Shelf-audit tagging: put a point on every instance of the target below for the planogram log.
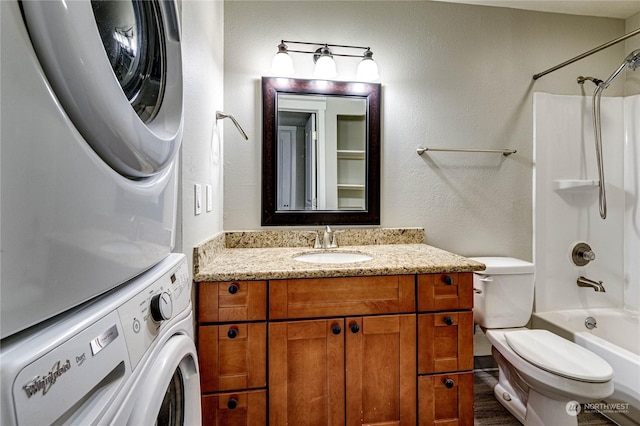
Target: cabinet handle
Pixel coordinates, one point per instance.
(233, 288)
(336, 329)
(449, 383)
(354, 328)
(448, 320)
(232, 333)
(447, 280)
(232, 403)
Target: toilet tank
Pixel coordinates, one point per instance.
(503, 292)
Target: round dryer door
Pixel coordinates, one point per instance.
(116, 68)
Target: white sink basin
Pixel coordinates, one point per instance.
(332, 257)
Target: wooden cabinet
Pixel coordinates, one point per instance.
(380, 350)
(232, 352)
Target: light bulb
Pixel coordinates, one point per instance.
(367, 68)
(282, 64)
(325, 67)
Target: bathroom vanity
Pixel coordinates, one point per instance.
(382, 341)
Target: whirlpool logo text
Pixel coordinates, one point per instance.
(44, 383)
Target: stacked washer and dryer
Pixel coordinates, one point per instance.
(96, 317)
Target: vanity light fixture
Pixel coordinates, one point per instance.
(323, 56)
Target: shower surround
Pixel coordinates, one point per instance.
(566, 202)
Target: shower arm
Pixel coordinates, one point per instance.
(588, 53)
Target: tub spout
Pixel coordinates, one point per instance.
(586, 282)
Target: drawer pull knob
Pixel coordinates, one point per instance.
(336, 329)
(232, 403)
(447, 280)
(354, 328)
(449, 383)
(233, 288)
(232, 333)
(448, 320)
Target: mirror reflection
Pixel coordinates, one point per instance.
(321, 152)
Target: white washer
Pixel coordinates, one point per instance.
(91, 112)
(110, 361)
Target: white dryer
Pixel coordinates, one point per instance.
(91, 112)
(127, 358)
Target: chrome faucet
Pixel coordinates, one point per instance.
(329, 239)
(586, 282)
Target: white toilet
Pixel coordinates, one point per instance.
(541, 375)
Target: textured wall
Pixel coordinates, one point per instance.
(453, 76)
(202, 36)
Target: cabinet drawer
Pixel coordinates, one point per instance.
(443, 292)
(445, 342)
(232, 301)
(326, 297)
(232, 356)
(445, 399)
(235, 409)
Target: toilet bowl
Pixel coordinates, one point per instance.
(542, 376)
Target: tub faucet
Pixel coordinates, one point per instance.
(586, 282)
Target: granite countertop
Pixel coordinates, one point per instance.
(215, 261)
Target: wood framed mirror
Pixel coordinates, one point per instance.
(320, 152)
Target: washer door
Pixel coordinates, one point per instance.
(116, 68)
(171, 394)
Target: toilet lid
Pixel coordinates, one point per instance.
(559, 356)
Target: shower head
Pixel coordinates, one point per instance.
(632, 60)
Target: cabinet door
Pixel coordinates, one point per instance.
(235, 409)
(446, 399)
(306, 373)
(381, 370)
(232, 356)
(445, 342)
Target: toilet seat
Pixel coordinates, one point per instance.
(559, 356)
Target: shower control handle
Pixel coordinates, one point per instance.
(582, 254)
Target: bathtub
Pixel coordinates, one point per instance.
(616, 339)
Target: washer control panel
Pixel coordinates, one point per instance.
(153, 308)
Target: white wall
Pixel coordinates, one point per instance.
(453, 76)
(202, 154)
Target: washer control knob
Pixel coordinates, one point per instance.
(161, 307)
